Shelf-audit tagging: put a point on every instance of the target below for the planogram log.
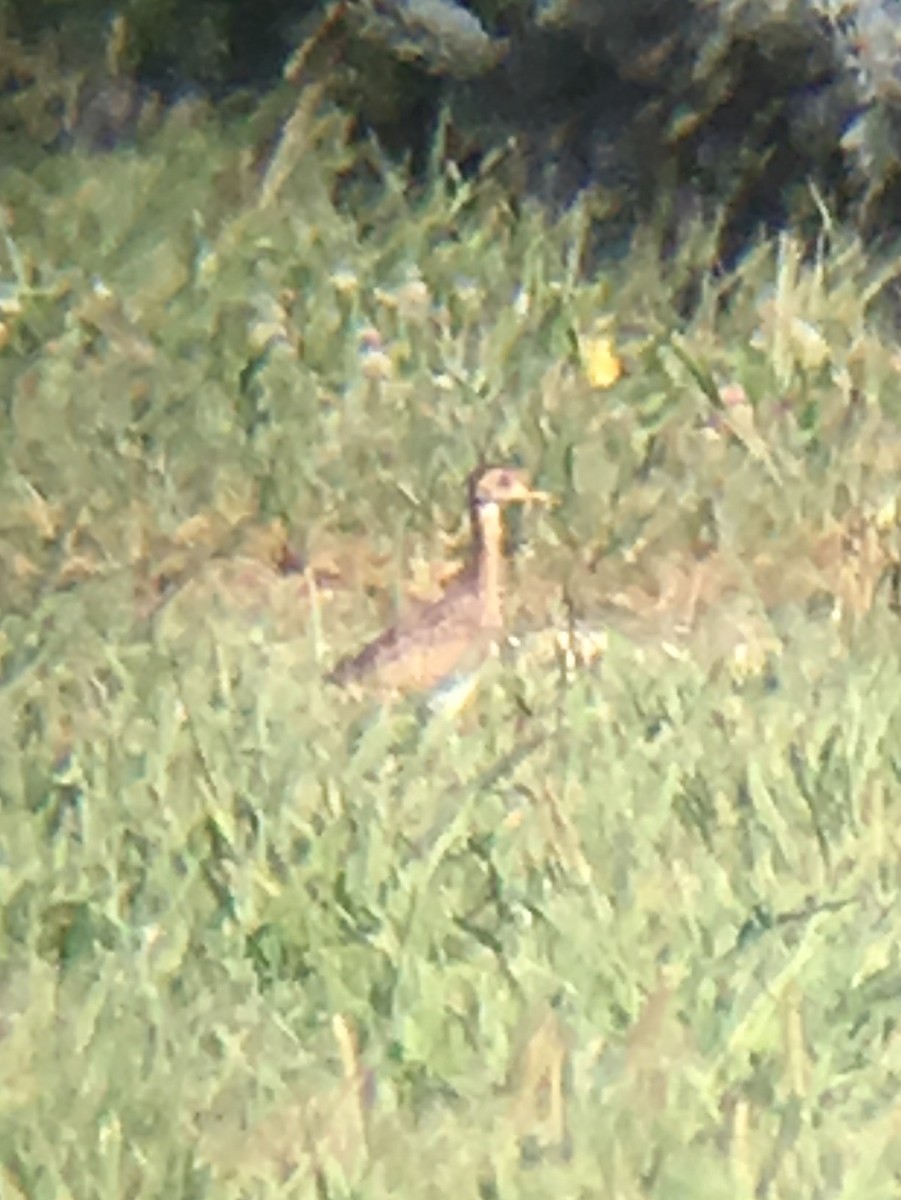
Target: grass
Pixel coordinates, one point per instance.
(625, 928)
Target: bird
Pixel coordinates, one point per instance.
(449, 638)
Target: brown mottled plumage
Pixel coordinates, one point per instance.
(456, 632)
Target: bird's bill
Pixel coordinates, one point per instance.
(535, 497)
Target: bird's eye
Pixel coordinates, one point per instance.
(503, 480)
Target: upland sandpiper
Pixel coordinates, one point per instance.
(448, 639)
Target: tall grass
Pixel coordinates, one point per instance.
(626, 927)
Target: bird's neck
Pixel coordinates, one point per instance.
(489, 552)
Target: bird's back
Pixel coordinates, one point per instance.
(417, 654)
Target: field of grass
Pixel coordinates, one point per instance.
(626, 926)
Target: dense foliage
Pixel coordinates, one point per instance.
(736, 107)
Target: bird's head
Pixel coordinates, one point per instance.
(502, 485)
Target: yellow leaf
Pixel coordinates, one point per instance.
(600, 362)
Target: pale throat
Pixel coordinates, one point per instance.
(491, 564)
